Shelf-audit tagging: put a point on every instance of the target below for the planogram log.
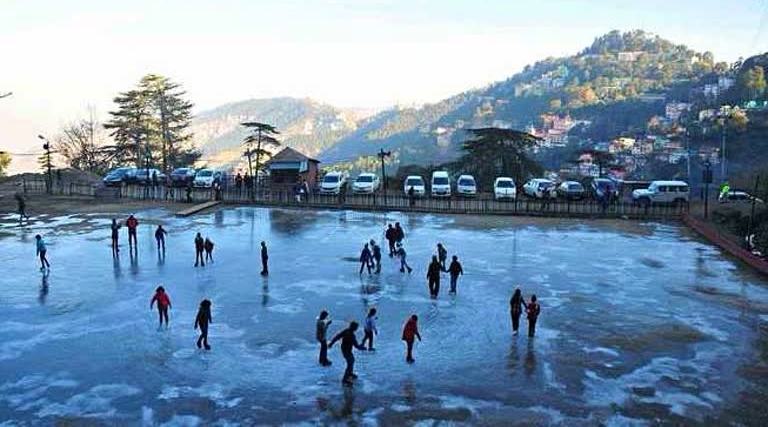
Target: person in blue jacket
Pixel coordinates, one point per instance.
(41, 251)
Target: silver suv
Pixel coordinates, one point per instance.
(662, 192)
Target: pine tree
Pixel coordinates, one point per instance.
(494, 152)
(262, 135)
(151, 123)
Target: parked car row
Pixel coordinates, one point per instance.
(180, 177)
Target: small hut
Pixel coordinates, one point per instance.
(289, 166)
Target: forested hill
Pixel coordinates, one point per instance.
(304, 124)
(617, 69)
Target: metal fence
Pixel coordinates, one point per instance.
(285, 196)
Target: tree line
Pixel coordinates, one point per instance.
(148, 128)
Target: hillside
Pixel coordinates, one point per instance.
(304, 124)
(632, 71)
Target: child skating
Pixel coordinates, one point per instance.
(369, 329)
(410, 333)
(208, 246)
(533, 309)
(321, 333)
(41, 251)
(160, 237)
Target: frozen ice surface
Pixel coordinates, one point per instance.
(640, 322)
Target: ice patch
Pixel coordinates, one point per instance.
(214, 392)
(603, 350)
(183, 421)
(285, 308)
(96, 402)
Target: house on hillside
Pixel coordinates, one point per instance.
(288, 166)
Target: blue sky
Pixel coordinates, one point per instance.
(60, 57)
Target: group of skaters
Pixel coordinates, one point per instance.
(348, 339)
(410, 332)
(203, 246)
(370, 258)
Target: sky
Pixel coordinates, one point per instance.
(62, 58)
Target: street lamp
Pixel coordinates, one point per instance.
(47, 148)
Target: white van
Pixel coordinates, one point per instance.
(441, 184)
(333, 182)
(662, 192)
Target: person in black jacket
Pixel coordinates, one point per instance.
(433, 275)
(455, 270)
(516, 305)
(348, 341)
(264, 258)
(391, 237)
(199, 247)
(202, 321)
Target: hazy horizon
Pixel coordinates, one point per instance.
(62, 57)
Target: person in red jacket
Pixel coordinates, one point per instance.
(410, 333)
(533, 309)
(132, 223)
(163, 304)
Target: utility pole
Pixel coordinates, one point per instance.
(723, 168)
(688, 154)
(383, 154)
(47, 148)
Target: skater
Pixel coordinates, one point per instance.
(115, 236)
(516, 305)
(390, 236)
(264, 258)
(160, 237)
(365, 259)
(533, 309)
(323, 321)
(369, 328)
(403, 262)
(455, 270)
(41, 250)
(399, 233)
(22, 207)
(239, 183)
(199, 246)
(442, 255)
(410, 332)
(433, 276)
(163, 304)
(132, 223)
(202, 320)
(208, 246)
(376, 255)
(348, 341)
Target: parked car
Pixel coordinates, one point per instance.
(504, 189)
(116, 177)
(741, 196)
(466, 186)
(333, 182)
(366, 183)
(539, 188)
(206, 178)
(440, 186)
(599, 186)
(181, 177)
(417, 182)
(144, 176)
(662, 192)
(571, 190)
